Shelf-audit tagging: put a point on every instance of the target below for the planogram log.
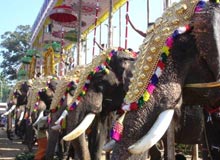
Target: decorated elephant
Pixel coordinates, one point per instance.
(18, 103)
(103, 75)
(65, 87)
(180, 49)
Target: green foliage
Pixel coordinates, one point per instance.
(25, 156)
(14, 45)
(4, 88)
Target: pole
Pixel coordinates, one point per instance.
(110, 24)
(120, 27)
(148, 13)
(79, 56)
(126, 27)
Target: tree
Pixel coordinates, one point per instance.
(4, 88)
(13, 47)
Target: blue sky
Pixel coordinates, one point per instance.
(24, 12)
(18, 12)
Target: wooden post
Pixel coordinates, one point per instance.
(171, 142)
(195, 152)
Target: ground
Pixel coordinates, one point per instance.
(10, 148)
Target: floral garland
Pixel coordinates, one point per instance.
(100, 68)
(69, 86)
(84, 87)
(161, 64)
(38, 99)
(158, 71)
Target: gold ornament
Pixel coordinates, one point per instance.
(175, 16)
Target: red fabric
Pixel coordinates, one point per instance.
(42, 146)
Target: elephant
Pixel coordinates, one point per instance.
(191, 60)
(65, 87)
(111, 85)
(20, 101)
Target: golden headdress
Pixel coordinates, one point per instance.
(150, 51)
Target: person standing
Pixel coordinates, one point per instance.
(41, 139)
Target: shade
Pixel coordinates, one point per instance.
(63, 14)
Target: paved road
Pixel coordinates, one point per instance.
(9, 149)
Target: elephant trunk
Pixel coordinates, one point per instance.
(81, 128)
(154, 134)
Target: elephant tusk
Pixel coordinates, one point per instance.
(63, 115)
(80, 128)
(154, 134)
(9, 111)
(39, 117)
(109, 146)
(21, 116)
(56, 127)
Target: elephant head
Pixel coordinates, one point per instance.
(42, 96)
(101, 92)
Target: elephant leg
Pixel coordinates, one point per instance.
(97, 137)
(52, 141)
(29, 137)
(9, 127)
(81, 148)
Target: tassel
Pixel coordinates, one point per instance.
(117, 129)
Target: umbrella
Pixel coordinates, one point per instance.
(87, 8)
(62, 14)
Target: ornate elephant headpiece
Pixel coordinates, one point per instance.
(71, 78)
(156, 47)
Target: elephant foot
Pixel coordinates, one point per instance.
(10, 135)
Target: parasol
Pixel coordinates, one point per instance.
(62, 14)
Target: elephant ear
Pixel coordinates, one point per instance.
(206, 27)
